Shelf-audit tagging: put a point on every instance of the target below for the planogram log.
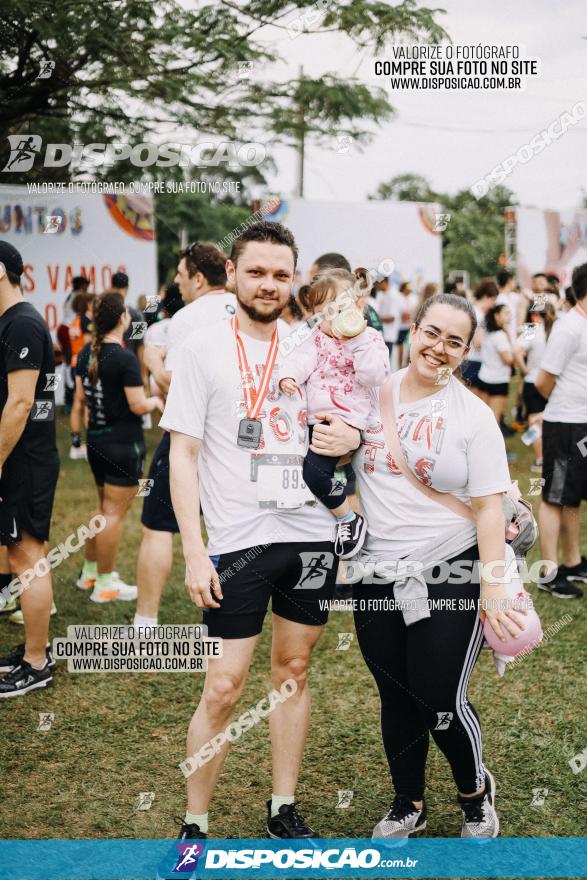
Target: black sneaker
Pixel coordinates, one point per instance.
(25, 678)
(403, 819)
(561, 587)
(14, 658)
(287, 823)
(170, 866)
(350, 537)
(575, 572)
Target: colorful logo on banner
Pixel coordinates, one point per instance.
(133, 213)
(276, 210)
(428, 215)
(187, 859)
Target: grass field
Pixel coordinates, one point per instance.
(115, 735)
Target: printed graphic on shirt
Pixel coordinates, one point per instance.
(421, 438)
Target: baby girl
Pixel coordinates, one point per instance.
(342, 363)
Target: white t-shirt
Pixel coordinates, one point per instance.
(206, 401)
(566, 358)
(157, 333)
(452, 442)
(407, 305)
(534, 348)
(475, 353)
(493, 370)
(386, 305)
(511, 299)
(205, 310)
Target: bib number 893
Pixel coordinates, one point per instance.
(291, 478)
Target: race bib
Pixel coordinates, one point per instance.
(280, 481)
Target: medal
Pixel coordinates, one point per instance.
(249, 433)
(250, 428)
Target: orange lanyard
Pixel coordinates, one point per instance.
(254, 398)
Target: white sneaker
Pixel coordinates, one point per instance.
(79, 453)
(87, 583)
(115, 591)
(402, 820)
(18, 618)
(479, 816)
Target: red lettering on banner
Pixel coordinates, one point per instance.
(53, 281)
(89, 274)
(30, 285)
(51, 316)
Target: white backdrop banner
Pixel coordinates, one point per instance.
(367, 233)
(549, 241)
(94, 235)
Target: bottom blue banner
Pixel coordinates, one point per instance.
(322, 857)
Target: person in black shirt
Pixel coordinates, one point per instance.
(109, 383)
(29, 468)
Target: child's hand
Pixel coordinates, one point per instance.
(289, 386)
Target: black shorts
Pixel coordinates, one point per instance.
(297, 577)
(157, 507)
(470, 373)
(27, 491)
(115, 461)
(494, 389)
(564, 451)
(403, 335)
(533, 400)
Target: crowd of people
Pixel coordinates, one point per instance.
(306, 428)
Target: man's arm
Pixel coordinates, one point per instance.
(202, 583)
(21, 396)
(154, 359)
(545, 383)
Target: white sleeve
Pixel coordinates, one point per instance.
(487, 462)
(502, 342)
(560, 348)
(187, 400)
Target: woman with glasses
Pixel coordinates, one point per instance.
(418, 618)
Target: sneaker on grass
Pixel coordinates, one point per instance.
(25, 678)
(113, 589)
(15, 658)
(479, 816)
(403, 819)
(289, 823)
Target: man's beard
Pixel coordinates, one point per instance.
(260, 317)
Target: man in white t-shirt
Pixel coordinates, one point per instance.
(201, 278)
(508, 295)
(238, 444)
(562, 379)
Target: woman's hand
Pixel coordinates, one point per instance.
(501, 612)
(335, 438)
(202, 584)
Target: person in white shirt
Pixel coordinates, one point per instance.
(562, 380)
(387, 307)
(484, 298)
(238, 444)
(528, 353)
(421, 655)
(496, 360)
(407, 304)
(201, 278)
(516, 303)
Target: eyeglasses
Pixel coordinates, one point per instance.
(452, 346)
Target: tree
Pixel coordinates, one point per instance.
(405, 188)
(474, 237)
(125, 69)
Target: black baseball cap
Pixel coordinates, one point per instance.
(11, 259)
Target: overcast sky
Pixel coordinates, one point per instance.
(454, 138)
